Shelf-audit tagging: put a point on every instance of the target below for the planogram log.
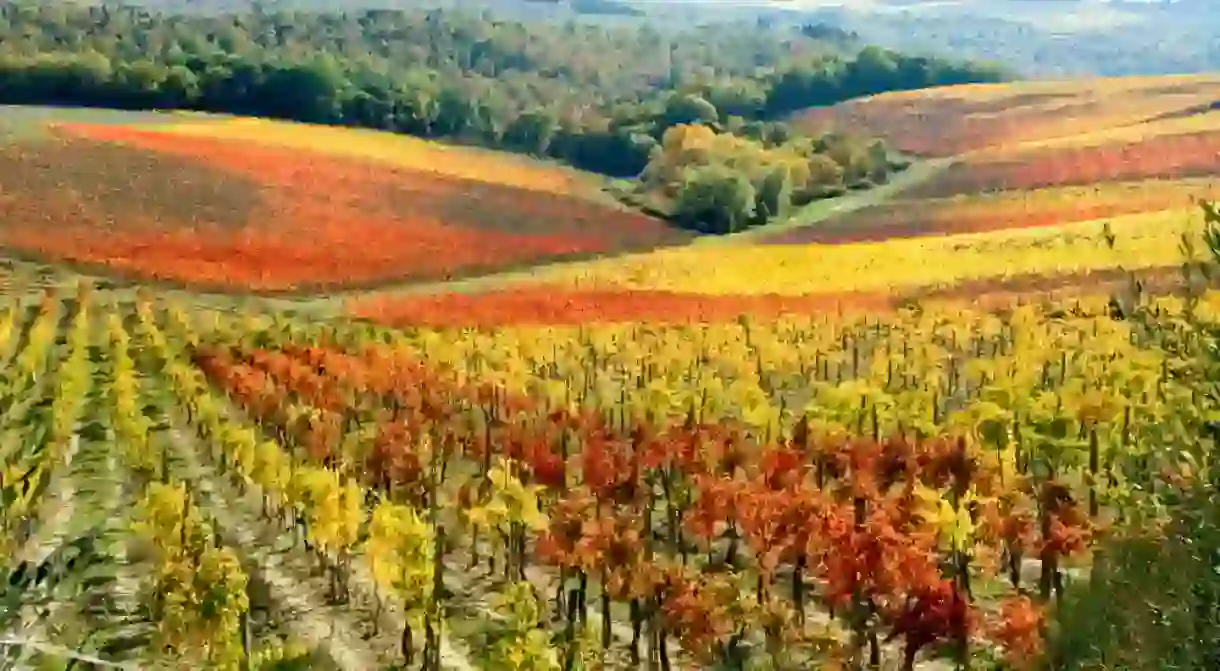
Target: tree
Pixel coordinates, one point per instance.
(532, 131)
(715, 199)
(689, 109)
(774, 194)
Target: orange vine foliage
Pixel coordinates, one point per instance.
(323, 221)
(954, 120)
(559, 305)
(1168, 156)
(842, 514)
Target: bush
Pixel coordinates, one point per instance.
(1153, 599)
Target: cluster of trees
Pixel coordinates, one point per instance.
(597, 97)
(725, 182)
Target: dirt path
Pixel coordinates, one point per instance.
(61, 511)
(308, 615)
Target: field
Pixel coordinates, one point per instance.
(896, 433)
(397, 150)
(630, 492)
(911, 216)
(1161, 157)
(1141, 241)
(199, 211)
(961, 119)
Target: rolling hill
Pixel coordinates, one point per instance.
(500, 418)
(242, 205)
(1022, 184)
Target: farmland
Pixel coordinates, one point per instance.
(1056, 158)
(897, 434)
(960, 119)
(396, 150)
(616, 493)
(544, 304)
(1160, 157)
(911, 216)
(1141, 241)
(223, 214)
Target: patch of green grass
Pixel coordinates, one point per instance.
(26, 121)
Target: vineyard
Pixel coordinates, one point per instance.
(1160, 157)
(1053, 206)
(543, 304)
(894, 266)
(903, 433)
(396, 150)
(955, 120)
(230, 215)
(187, 486)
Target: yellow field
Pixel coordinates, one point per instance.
(1142, 241)
(979, 213)
(1152, 194)
(397, 150)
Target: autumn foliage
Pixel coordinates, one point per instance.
(279, 219)
(982, 213)
(940, 126)
(556, 305)
(955, 120)
(845, 514)
(403, 151)
(1162, 157)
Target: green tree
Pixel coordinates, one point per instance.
(715, 199)
(773, 194)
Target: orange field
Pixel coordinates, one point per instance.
(559, 305)
(1015, 209)
(954, 120)
(1163, 157)
(265, 218)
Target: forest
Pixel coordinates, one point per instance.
(599, 98)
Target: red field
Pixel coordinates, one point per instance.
(1164, 157)
(537, 305)
(1027, 209)
(219, 214)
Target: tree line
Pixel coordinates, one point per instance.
(599, 98)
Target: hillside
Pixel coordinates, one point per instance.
(948, 121)
(951, 409)
(597, 98)
(1022, 185)
(242, 205)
